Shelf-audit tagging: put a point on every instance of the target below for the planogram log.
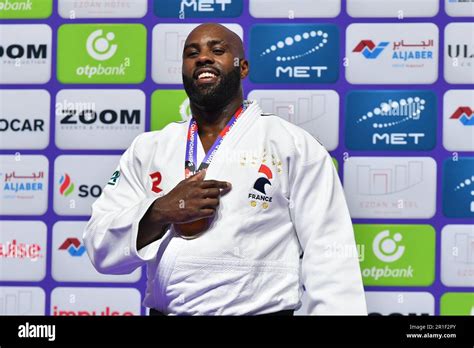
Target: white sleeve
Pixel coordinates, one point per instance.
(330, 267)
(111, 234)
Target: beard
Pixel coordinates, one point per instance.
(213, 96)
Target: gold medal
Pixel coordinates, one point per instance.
(191, 230)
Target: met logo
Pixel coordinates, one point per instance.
(391, 120)
(294, 53)
(458, 187)
(183, 9)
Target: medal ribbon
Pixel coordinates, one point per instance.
(191, 151)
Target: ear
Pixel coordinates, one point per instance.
(244, 68)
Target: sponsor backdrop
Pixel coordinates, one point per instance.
(385, 85)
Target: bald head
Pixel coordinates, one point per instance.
(217, 31)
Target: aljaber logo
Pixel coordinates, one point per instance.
(99, 47)
(458, 187)
(73, 246)
(66, 185)
(465, 115)
(390, 120)
(386, 248)
(369, 49)
(183, 9)
(294, 53)
(22, 183)
(400, 50)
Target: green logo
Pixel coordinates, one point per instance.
(168, 106)
(101, 53)
(24, 9)
(461, 303)
(396, 255)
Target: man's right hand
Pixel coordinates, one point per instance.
(192, 199)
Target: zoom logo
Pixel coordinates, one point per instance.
(91, 119)
(386, 248)
(25, 53)
(100, 47)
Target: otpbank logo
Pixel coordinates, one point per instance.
(294, 53)
(391, 120)
(458, 187)
(25, 9)
(170, 105)
(101, 53)
(392, 53)
(393, 256)
(183, 9)
(457, 303)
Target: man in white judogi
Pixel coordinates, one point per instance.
(234, 211)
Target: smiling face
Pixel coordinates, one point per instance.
(213, 66)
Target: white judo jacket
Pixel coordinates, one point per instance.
(286, 201)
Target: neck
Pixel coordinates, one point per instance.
(211, 122)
